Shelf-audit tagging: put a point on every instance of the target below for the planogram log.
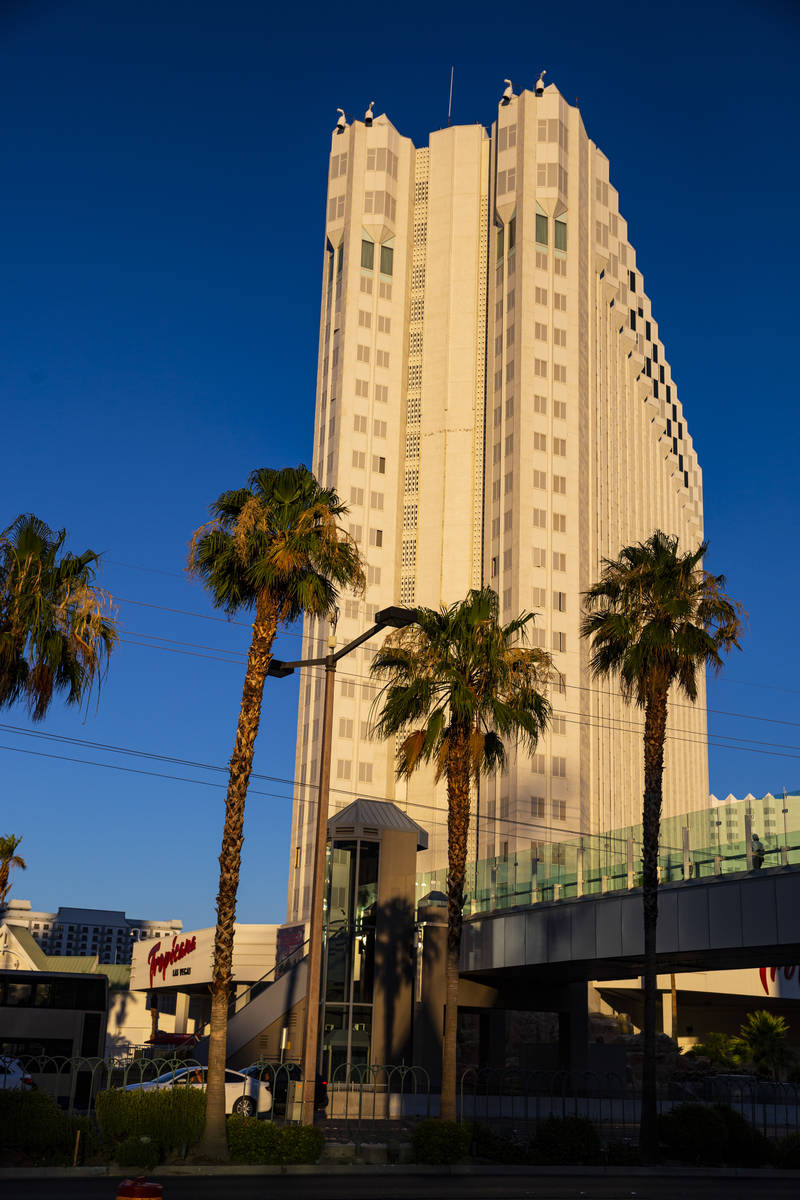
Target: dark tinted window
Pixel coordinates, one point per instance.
(43, 995)
(19, 995)
(90, 1042)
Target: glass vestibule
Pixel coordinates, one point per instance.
(349, 962)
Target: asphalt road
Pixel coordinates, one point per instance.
(416, 1187)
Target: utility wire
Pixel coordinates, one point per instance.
(346, 792)
(294, 783)
(517, 823)
(620, 724)
(323, 642)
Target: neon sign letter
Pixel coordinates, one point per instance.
(160, 963)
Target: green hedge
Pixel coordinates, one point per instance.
(140, 1152)
(438, 1142)
(711, 1135)
(254, 1141)
(32, 1124)
(746, 1146)
(491, 1146)
(787, 1152)
(566, 1140)
(171, 1118)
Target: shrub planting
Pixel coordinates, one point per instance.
(138, 1152)
(254, 1141)
(171, 1119)
(32, 1125)
(711, 1135)
(623, 1153)
(300, 1144)
(251, 1140)
(694, 1134)
(787, 1152)
(491, 1146)
(746, 1146)
(566, 1140)
(439, 1143)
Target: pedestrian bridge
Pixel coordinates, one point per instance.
(743, 919)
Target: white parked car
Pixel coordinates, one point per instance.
(12, 1075)
(243, 1095)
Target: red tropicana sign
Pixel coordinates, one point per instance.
(788, 973)
(160, 962)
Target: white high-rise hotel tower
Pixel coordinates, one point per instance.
(495, 406)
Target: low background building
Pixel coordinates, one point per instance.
(105, 932)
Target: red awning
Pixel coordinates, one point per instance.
(162, 1038)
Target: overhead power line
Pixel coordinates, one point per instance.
(323, 642)
(517, 822)
(623, 724)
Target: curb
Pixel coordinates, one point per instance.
(459, 1169)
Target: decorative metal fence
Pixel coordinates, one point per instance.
(361, 1097)
(515, 1102)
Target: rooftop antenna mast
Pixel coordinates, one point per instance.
(450, 101)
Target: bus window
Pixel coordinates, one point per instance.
(18, 994)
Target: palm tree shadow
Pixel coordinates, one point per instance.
(395, 954)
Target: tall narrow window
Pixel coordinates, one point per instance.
(367, 254)
(512, 233)
(560, 235)
(541, 229)
(500, 242)
(387, 259)
(340, 260)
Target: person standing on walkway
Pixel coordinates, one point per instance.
(758, 852)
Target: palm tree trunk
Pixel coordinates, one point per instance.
(213, 1144)
(458, 779)
(655, 726)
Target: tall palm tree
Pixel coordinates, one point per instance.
(274, 548)
(656, 619)
(457, 683)
(55, 633)
(9, 861)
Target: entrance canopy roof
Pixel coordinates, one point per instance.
(369, 818)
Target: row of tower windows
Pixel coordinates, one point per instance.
(508, 234)
(368, 257)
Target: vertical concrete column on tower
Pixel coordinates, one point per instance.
(394, 949)
(666, 1014)
(492, 1039)
(430, 1001)
(573, 1028)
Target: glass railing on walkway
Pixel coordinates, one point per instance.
(744, 835)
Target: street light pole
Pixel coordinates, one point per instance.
(311, 1036)
(394, 617)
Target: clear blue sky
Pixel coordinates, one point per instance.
(161, 206)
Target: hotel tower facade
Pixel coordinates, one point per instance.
(495, 406)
